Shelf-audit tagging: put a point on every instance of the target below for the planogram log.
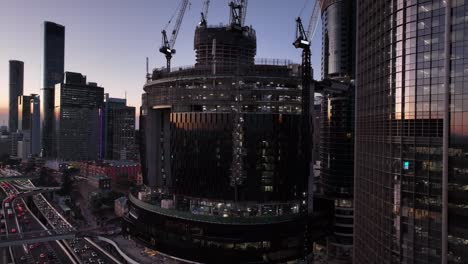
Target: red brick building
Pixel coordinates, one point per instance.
(118, 171)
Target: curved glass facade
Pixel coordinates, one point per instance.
(338, 39)
(337, 144)
(337, 168)
(202, 154)
(401, 86)
(215, 239)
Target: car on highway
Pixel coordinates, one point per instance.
(13, 230)
(35, 245)
(94, 254)
(42, 258)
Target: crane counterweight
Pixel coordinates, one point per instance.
(167, 47)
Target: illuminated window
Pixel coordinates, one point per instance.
(406, 165)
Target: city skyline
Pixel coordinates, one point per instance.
(103, 27)
(194, 131)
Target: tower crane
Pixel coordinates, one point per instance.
(303, 41)
(204, 13)
(238, 14)
(167, 46)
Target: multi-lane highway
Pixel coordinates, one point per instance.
(5, 252)
(86, 250)
(19, 218)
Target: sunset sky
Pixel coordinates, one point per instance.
(108, 41)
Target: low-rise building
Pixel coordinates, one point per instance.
(100, 182)
(119, 171)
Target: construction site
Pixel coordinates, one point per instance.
(226, 149)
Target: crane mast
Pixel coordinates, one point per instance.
(238, 13)
(167, 47)
(303, 41)
(204, 13)
(243, 4)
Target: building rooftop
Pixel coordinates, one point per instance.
(121, 200)
(98, 177)
(113, 163)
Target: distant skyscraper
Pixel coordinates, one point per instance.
(119, 129)
(35, 124)
(52, 73)
(16, 89)
(411, 196)
(78, 107)
(15, 137)
(24, 112)
(29, 125)
(338, 34)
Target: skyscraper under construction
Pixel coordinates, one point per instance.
(225, 179)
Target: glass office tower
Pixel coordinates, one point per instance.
(118, 137)
(78, 111)
(52, 73)
(411, 189)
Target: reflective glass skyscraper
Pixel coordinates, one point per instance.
(411, 162)
(52, 73)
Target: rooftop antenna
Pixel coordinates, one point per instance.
(148, 77)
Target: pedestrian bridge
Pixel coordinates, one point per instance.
(16, 239)
(34, 191)
(18, 178)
